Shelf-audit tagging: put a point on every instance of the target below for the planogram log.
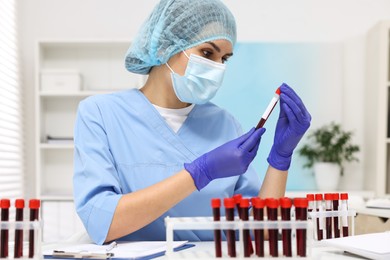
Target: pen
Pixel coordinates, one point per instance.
(269, 109)
(111, 246)
(81, 255)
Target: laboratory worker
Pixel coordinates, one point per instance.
(165, 149)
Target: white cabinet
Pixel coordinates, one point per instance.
(377, 109)
(67, 72)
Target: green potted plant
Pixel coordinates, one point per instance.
(329, 147)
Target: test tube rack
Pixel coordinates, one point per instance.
(349, 214)
(207, 223)
(27, 227)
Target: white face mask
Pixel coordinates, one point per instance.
(201, 81)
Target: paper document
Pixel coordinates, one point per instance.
(128, 250)
(373, 246)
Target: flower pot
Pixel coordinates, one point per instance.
(327, 175)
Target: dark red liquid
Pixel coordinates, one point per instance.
(336, 219)
(286, 233)
(258, 214)
(4, 234)
(301, 214)
(33, 216)
(273, 233)
(18, 250)
(320, 235)
(217, 234)
(261, 123)
(230, 233)
(248, 249)
(328, 226)
(345, 231)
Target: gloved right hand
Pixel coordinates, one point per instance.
(229, 159)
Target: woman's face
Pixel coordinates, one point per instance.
(216, 50)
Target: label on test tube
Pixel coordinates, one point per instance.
(344, 209)
(269, 109)
(320, 219)
(328, 206)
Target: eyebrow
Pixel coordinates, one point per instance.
(218, 49)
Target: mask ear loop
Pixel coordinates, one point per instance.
(169, 67)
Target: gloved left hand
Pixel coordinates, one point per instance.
(293, 122)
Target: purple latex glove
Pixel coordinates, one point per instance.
(293, 122)
(229, 159)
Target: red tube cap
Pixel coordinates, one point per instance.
(336, 196)
(215, 203)
(5, 203)
(328, 196)
(237, 198)
(19, 203)
(258, 203)
(319, 196)
(278, 91)
(301, 202)
(34, 204)
(244, 203)
(310, 197)
(272, 203)
(229, 203)
(285, 202)
(344, 196)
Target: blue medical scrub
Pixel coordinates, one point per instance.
(122, 145)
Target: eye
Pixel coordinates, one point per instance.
(207, 53)
(224, 59)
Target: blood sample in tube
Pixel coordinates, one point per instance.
(272, 213)
(311, 206)
(269, 109)
(5, 204)
(301, 214)
(320, 220)
(328, 207)
(216, 205)
(237, 199)
(258, 214)
(248, 250)
(344, 210)
(34, 206)
(18, 248)
(229, 204)
(285, 205)
(336, 228)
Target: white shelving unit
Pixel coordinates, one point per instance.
(377, 117)
(100, 65)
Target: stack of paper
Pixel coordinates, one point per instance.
(373, 246)
(127, 250)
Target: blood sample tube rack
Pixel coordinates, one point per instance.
(207, 223)
(345, 216)
(11, 228)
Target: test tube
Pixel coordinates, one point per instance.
(320, 220)
(336, 228)
(301, 214)
(34, 205)
(18, 247)
(248, 250)
(285, 205)
(311, 206)
(272, 213)
(229, 204)
(258, 214)
(5, 204)
(328, 207)
(269, 109)
(216, 205)
(237, 199)
(344, 209)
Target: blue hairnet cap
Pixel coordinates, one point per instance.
(177, 25)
